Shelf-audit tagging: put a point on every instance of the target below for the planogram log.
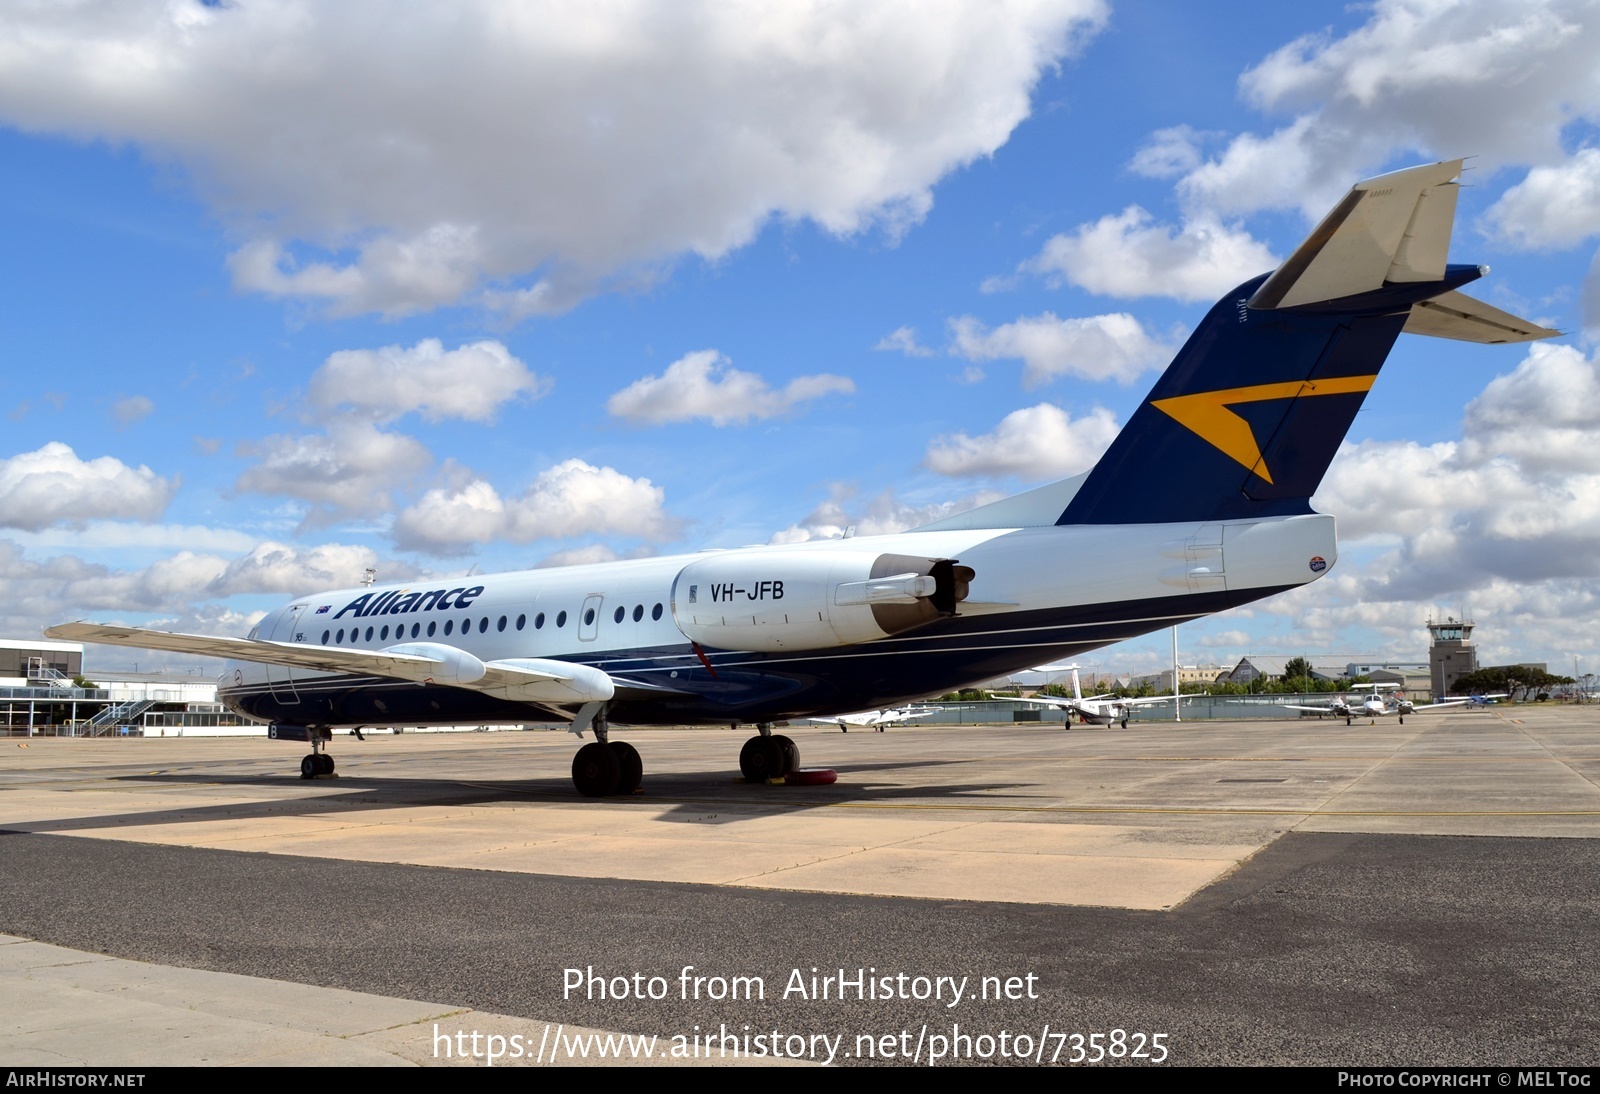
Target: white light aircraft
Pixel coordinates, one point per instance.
(877, 719)
(1098, 710)
(1374, 706)
(1202, 503)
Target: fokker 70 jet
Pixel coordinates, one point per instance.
(1200, 504)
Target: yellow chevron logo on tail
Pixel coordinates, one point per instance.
(1206, 413)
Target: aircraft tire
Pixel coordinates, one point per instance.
(308, 766)
(595, 770)
(760, 759)
(630, 767)
(1124, 723)
(324, 764)
(789, 751)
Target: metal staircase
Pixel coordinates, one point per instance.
(117, 714)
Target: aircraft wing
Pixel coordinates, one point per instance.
(1448, 703)
(1312, 710)
(1044, 701)
(520, 679)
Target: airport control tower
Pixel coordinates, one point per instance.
(1451, 654)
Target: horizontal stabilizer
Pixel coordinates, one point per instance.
(1456, 315)
(1391, 229)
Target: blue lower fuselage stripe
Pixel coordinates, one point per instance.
(753, 687)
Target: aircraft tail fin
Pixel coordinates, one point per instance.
(1248, 416)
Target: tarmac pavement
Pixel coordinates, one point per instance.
(1256, 892)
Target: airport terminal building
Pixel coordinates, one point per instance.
(43, 692)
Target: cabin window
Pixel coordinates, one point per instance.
(561, 620)
(638, 612)
(521, 619)
(416, 628)
(483, 624)
(655, 613)
(449, 625)
(538, 622)
(324, 638)
(431, 626)
(385, 632)
(500, 626)
(621, 611)
(369, 634)
(341, 635)
(588, 617)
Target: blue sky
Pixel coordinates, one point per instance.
(286, 297)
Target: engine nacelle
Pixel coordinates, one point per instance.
(455, 665)
(770, 599)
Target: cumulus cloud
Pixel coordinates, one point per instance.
(1505, 518)
(1037, 442)
(1099, 347)
(571, 499)
(1129, 255)
(347, 470)
(573, 143)
(590, 554)
(702, 385)
(179, 592)
(880, 515)
(51, 485)
(1475, 77)
(1554, 208)
(470, 382)
(282, 568)
(1169, 153)
(131, 409)
(902, 340)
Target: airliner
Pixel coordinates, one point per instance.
(1201, 504)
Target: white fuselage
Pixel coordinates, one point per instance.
(802, 614)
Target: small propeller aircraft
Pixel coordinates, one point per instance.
(877, 719)
(1098, 710)
(1374, 706)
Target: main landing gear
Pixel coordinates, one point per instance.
(768, 756)
(606, 767)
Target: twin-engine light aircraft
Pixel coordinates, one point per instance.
(1201, 504)
(1373, 705)
(877, 719)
